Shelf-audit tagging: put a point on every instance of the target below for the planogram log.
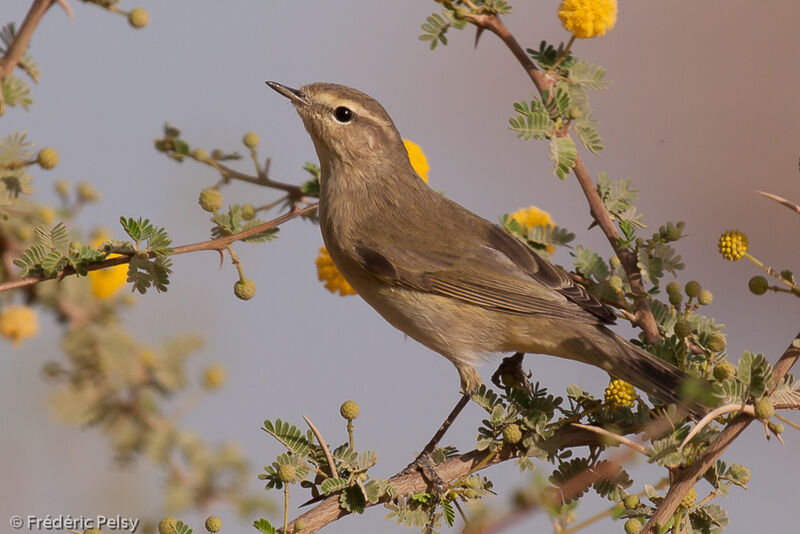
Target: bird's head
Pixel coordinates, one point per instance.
(345, 124)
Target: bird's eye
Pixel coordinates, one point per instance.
(343, 114)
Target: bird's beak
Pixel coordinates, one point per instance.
(295, 95)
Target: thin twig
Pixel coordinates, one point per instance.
(20, 43)
(616, 437)
(713, 414)
(218, 244)
(780, 200)
(325, 450)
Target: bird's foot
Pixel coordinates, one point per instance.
(511, 374)
(424, 464)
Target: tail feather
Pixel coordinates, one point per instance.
(658, 378)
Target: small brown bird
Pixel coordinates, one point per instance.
(453, 281)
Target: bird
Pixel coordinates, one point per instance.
(453, 281)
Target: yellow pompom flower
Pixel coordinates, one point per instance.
(619, 393)
(733, 245)
(533, 216)
(18, 323)
(329, 275)
(588, 18)
(417, 158)
(213, 377)
(106, 282)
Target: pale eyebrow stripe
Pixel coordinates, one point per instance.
(334, 101)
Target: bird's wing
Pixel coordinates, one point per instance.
(496, 271)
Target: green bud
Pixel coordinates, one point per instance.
(633, 526)
(244, 289)
(724, 370)
(614, 262)
(251, 140)
(758, 285)
(705, 297)
(615, 283)
(512, 434)
(213, 524)
(675, 299)
(200, 154)
(764, 408)
(683, 328)
(248, 212)
(631, 502)
(349, 410)
(673, 232)
(210, 199)
(693, 288)
(673, 287)
(286, 473)
(716, 342)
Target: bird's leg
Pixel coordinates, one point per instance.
(424, 462)
(511, 374)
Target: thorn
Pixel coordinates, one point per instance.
(67, 9)
(221, 258)
(478, 34)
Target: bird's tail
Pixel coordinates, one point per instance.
(658, 378)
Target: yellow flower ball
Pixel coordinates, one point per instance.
(417, 158)
(619, 393)
(588, 18)
(329, 275)
(733, 245)
(533, 216)
(104, 283)
(213, 377)
(18, 323)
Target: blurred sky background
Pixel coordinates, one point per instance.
(702, 111)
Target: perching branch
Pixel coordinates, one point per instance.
(643, 316)
(218, 244)
(328, 510)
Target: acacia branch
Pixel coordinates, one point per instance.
(686, 478)
(328, 510)
(219, 244)
(20, 43)
(643, 316)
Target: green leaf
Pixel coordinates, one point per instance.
(290, 437)
(590, 264)
(568, 470)
(564, 154)
(262, 525)
(547, 55)
(30, 260)
(352, 499)
(144, 273)
(730, 391)
(754, 372)
(612, 487)
(182, 528)
(586, 75)
(586, 129)
(16, 92)
(262, 237)
(15, 147)
(449, 513)
(532, 121)
(310, 187)
(332, 485)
